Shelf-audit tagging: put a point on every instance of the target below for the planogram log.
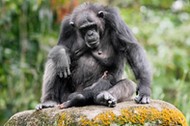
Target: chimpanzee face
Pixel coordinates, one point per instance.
(89, 25)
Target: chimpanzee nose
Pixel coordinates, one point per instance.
(90, 33)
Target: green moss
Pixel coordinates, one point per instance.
(131, 116)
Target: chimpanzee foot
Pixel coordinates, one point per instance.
(75, 99)
(105, 98)
(65, 105)
(47, 104)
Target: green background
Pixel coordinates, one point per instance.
(30, 28)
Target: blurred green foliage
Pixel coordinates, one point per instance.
(28, 30)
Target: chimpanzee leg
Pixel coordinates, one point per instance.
(87, 96)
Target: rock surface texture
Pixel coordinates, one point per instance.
(157, 113)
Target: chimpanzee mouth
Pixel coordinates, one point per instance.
(93, 44)
(92, 39)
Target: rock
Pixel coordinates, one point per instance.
(156, 113)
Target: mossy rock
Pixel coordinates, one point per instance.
(127, 113)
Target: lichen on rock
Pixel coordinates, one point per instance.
(156, 113)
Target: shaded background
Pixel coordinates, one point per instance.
(30, 28)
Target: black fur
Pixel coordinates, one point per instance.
(87, 65)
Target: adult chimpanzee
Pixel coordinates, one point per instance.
(87, 65)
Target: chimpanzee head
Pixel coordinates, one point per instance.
(90, 25)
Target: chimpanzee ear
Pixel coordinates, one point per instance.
(72, 24)
(101, 14)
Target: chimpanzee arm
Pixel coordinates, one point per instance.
(67, 48)
(124, 40)
(60, 54)
(137, 60)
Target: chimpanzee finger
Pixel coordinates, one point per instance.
(143, 100)
(138, 99)
(60, 74)
(39, 107)
(148, 100)
(65, 73)
(68, 71)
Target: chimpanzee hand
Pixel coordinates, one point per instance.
(63, 65)
(105, 98)
(143, 93)
(62, 61)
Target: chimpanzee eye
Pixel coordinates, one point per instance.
(93, 27)
(83, 30)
